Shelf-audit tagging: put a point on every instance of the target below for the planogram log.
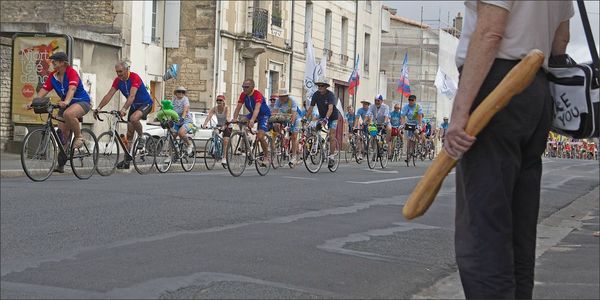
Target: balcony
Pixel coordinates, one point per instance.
(260, 23)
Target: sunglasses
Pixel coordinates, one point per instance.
(321, 85)
(411, 99)
(245, 86)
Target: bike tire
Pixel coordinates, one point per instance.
(336, 156)
(313, 157)
(383, 158)
(259, 157)
(237, 156)
(431, 151)
(164, 155)
(277, 153)
(39, 154)
(188, 161)
(108, 153)
(210, 155)
(371, 152)
(144, 158)
(85, 158)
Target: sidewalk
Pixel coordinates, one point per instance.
(567, 256)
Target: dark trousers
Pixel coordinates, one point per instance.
(498, 193)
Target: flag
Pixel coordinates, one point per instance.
(403, 83)
(445, 84)
(312, 71)
(354, 79)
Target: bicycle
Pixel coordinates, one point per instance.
(430, 148)
(317, 150)
(397, 145)
(240, 152)
(170, 149)
(281, 144)
(377, 147)
(44, 146)
(412, 152)
(213, 150)
(352, 150)
(109, 152)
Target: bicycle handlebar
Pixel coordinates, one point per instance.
(115, 113)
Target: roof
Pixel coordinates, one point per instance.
(408, 21)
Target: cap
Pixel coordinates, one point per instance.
(220, 97)
(379, 97)
(412, 97)
(59, 56)
(180, 89)
(273, 96)
(283, 92)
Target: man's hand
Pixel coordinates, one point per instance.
(62, 104)
(251, 123)
(122, 113)
(457, 140)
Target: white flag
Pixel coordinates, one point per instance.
(309, 72)
(445, 84)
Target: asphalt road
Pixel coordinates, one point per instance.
(206, 234)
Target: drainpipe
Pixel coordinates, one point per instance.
(217, 61)
(292, 48)
(355, 48)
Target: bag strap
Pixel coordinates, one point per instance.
(588, 35)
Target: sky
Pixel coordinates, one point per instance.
(436, 10)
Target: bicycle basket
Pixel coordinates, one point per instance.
(40, 105)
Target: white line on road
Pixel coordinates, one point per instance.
(381, 171)
(389, 179)
(303, 178)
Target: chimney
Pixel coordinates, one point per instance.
(458, 22)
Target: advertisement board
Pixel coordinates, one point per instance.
(31, 67)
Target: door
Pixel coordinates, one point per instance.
(341, 93)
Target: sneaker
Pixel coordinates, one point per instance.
(360, 157)
(59, 169)
(78, 143)
(141, 144)
(123, 165)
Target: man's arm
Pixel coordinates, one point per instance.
(329, 111)
(561, 39)
(107, 98)
(483, 47)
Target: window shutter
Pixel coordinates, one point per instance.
(147, 26)
(172, 16)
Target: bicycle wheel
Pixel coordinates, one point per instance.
(335, 155)
(84, 159)
(108, 153)
(383, 157)
(39, 154)
(313, 155)
(210, 158)
(237, 157)
(414, 157)
(143, 157)
(165, 155)
(277, 151)
(150, 143)
(262, 162)
(372, 152)
(188, 155)
(431, 151)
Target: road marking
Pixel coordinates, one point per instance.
(381, 171)
(389, 179)
(303, 178)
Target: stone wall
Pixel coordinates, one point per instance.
(96, 16)
(195, 54)
(6, 127)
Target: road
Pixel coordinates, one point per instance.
(206, 234)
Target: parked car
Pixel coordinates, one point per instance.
(200, 137)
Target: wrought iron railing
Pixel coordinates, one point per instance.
(260, 23)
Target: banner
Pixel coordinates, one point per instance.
(445, 84)
(312, 72)
(31, 67)
(403, 83)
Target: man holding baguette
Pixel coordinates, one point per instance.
(499, 173)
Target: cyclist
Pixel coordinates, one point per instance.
(360, 121)
(429, 132)
(221, 111)
(395, 117)
(272, 100)
(350, 117)
(325, 101)
(412, 116)
(379, 113)
(259, 113)
(74, 101)
(181, 104)
(443, 129)
(286, 104)
(139, 104)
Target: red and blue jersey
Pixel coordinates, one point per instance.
(70, 78)
(142, 97)
(251, 101)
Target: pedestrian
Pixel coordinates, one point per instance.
(498, 177)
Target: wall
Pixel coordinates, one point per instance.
(6, 127)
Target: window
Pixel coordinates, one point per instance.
(367, 51)
(154, 20)
(308, 16)
(344, 36)
(276, 19)
(327, 30)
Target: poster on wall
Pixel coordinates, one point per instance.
(31, 67)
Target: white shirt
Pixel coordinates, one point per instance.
(531, 25)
